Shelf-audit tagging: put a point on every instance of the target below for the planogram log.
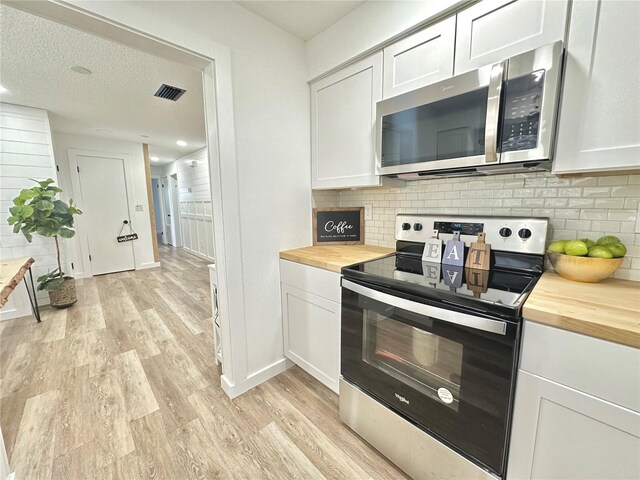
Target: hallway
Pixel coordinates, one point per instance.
(124, 385)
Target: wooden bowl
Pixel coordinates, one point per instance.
(583, 269)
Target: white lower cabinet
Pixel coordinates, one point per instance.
(311, 320)
(560, 432)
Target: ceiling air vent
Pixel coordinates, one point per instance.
(169, 92)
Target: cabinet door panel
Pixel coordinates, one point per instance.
(599, 128)
(561, 433)
(343, 113)
(551, 353)
(421, 59)
(494, 30)
(311, 334)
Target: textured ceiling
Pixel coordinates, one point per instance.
(304, 19)
(35, 57)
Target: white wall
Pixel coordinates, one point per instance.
(25, 153)
(272, 169)
(367, 27)
(136, 189)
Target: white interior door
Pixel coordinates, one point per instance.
(166, 203)
(105, 206)
(175, 211)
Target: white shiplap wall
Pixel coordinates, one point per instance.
(194, 196)
(25, 152)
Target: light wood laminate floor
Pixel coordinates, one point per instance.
(123, 386)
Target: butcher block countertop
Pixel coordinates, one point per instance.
(334, 257)
(609, 310)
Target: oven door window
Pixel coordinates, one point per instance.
(422, 360)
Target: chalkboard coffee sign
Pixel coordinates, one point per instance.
(338, 226)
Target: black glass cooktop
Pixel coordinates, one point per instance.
(498, 291)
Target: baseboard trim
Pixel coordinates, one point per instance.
(254, 379)
(148, 265)
(197, 254)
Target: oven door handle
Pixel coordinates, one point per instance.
(449, 316)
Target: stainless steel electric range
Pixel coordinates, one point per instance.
(429, 351)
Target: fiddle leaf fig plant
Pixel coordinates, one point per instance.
(37, 210)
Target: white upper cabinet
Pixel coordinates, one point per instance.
(343, 115)
(599, 127)
(421, 59)
(494, 30)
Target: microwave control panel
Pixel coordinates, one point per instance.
(521, 116)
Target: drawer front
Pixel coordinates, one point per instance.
(600, 368)
(317, 281)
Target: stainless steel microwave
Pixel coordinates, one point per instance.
(496, 119)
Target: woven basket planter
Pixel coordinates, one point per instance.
(65, 295)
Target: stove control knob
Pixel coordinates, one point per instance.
(505, 232)
(524, 233)
(406, 226)
(417, 227)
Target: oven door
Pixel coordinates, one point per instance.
(450, 124)
(450, 373)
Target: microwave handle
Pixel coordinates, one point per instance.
(496, 81)
(479, 323)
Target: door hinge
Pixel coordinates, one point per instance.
(89, 257)
(72, 267)
(78, 169)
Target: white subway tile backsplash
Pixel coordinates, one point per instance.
(578, 225)
(609, 203)
(613, 180)
(577, 207)
(570, 192)
(514, 202)
(584, 181)
(593, 214)
(524, 192)
(622, 215)
(626, 191)
(606, 226)
(532, 202)
(556, 202)
(582, 202)
(596, 191)
(568, 213)
(546, 192)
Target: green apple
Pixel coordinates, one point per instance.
(617, 250)
(600, 252)
(576, 248)
(607, 240)
(590, 243)
(557, 246)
